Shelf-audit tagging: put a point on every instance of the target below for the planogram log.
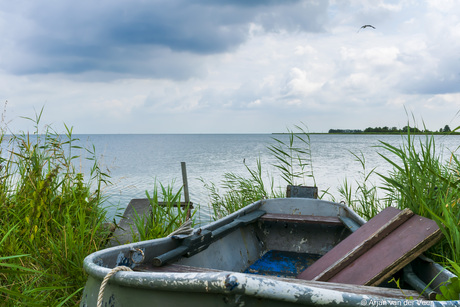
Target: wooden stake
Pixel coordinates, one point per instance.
(185, 184)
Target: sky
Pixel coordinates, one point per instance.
(221, 66)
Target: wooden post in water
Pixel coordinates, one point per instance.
(185, 184)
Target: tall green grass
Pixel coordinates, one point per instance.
(167, 214)
(237, 191)
(51, 218)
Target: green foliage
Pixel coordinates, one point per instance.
(167, 214)
(8, 266)
(392, 130)
(239, 191)
(450, 291)
(50, 218)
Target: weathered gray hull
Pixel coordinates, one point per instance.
(215, 276)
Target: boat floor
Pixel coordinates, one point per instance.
(282, 263)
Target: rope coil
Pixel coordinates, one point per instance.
(106, 280)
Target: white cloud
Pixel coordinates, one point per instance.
(305, 50)
(444, 6)
(300, 83)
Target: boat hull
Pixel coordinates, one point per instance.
(215, 276)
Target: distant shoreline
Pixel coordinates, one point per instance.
(377, 133)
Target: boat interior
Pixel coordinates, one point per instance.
(275, 245)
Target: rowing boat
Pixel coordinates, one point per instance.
(252, 257)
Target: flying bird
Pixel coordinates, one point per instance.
(366, 26)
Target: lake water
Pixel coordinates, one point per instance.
(134, 162)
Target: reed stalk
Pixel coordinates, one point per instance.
(293, 157)
(364, 198)
(238, 191)
(167, 214)
(293, 161)
(51, 218)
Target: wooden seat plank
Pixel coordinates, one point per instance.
(295, 218)
(376, 250)
(348, 244)
(392, 253)
(365, 245)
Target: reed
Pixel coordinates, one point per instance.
(293, 157)
(167, 214)
(8, 266)
(364, 198)
(51, 218)
(293, 161)
(238, 191)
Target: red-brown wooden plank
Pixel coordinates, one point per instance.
(349, 243)
(295, 218)
(365, 245)
(392, 253)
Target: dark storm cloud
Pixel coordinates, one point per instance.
(128, 36)
(247, 3)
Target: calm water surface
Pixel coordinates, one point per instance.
(134, 162)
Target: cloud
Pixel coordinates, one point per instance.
(161, 39)
(300, 83)
(429, 59)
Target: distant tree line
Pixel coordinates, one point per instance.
(386, 130)
(345, 131)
